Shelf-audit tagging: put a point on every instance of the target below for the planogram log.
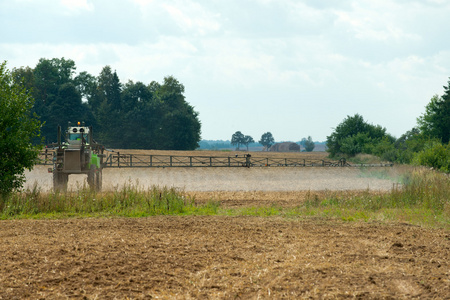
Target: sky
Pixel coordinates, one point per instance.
(295, 68)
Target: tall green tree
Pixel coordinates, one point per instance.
(267, 140)
(134, 115)
(354, 135)
(435, 122)
(180, 127)
(248, 140)
(237, 139)
(86, 85)
(18, 126)
(51, 79)
(110, 88)
(139, 113)
(106, 106)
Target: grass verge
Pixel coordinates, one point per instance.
(128, 201)
(422, 199)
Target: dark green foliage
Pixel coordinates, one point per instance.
(18, 126)
(354, 136)
(164, 119)
(435, 155)
(123, 116)
(248, 140)
(435, 122)
(237, 139)
(57, 98)
(267, 140)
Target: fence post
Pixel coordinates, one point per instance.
(131, 160)
(171, 160)
(151, 160)
(118, 159)
(229, 163)
(190, 160)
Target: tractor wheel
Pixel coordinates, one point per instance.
(91, 177)
(64, 181)
(60, 181)
(98, 181)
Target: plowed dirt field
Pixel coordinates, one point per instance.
(221, 257)
(224, 257)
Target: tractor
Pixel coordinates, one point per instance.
(78, 154)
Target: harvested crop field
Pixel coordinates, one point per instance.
(221, 257)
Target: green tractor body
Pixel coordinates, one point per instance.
(78, 154)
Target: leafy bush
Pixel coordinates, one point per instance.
(435, 155)
(354, 135)
(18, 127)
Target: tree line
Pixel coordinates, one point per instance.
(267, 140)
(426, 144)
(133, 115)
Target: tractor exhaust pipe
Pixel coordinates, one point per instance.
(91, 136)
(59, 136)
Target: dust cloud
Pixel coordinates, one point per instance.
(231, 179)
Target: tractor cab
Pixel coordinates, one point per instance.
(77, 136)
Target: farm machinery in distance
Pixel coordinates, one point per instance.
(78, 154)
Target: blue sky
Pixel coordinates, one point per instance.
(294, 68)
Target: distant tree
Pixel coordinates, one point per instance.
(308, 144)
(237, 139)
(180, 126)
(267, 140)
(435, 122)
(134, 115)
(248, 140)
(110, 88)
(106, 106)
(24, 76)
(18, 126)
(67, 107)
(49, 76)
(86, 85)
(353, 135)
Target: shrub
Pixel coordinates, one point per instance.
(435, 155)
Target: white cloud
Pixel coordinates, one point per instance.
(375, 21)
(304, 62)
(193, 17)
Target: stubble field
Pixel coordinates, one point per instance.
(210, 257)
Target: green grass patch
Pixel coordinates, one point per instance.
(422, 199)
(128, 201)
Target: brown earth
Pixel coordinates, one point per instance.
(221, 257)
(197, 257)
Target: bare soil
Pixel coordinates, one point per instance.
(221, 257)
